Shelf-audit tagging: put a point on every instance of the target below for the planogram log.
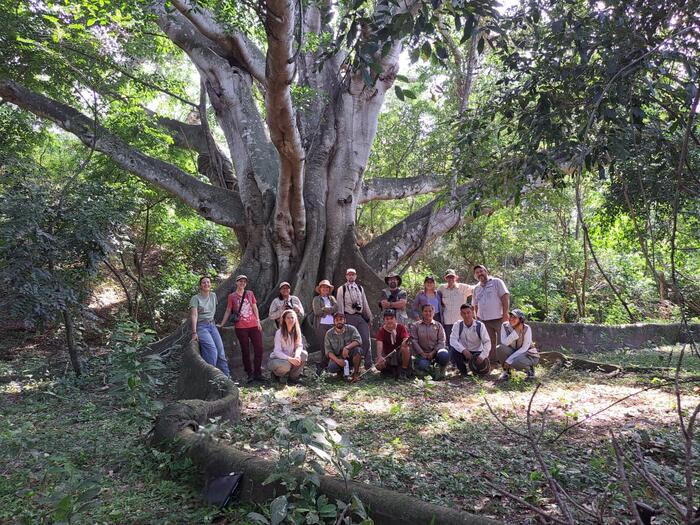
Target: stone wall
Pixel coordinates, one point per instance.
(206, 393)
(588, 338)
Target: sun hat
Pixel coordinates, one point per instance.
(450, 272)
(324, 282)
(479, 369)
(392, 275)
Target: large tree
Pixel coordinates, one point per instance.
(296, 88)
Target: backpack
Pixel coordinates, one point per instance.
(478, 328)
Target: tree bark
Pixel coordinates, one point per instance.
(70, 341)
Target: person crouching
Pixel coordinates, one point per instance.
(393, 351)
(288, 355)
(428, 339)
(517, 351)
(470, 344)
(342, 346)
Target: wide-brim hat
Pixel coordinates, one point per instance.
(450, 272)
(394, 276)
(480, 369)
(324, 282)
(241, 276)
(284, 283)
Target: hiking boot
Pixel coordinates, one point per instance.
(294, 380)
(441, 372)
(282, 380)
(530, 373)
(505, 376)
(403, 374)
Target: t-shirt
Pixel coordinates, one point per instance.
(334, 341)
(206, 306)
(327, 319)
(488, 298)
(453, 299)
(246, 318)
(394, 296)
(385, 337)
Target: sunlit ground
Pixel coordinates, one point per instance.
(437, 440)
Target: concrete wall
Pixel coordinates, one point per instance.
(588, 338)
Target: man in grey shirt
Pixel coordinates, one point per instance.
(428, 340)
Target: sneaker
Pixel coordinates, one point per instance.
(403, 374)
(505, 376)
(530, 374)
(259, 379)
(250, 379)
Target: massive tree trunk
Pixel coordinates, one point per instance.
(295, 176)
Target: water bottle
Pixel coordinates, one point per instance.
(346, 369)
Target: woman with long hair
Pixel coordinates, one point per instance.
(288, 356)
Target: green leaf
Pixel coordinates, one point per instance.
(257, 518)
(399, 92)
(278, 510)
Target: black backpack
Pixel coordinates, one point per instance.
(478, 328)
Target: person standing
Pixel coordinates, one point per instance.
(352, 301)
(470, 344)
(202, 310)
(324, 306)
(517, 351)
(243, 309)
(288, 355)
(393, 349)
(454, 295)
(431, 296)
(395, 298)
(491, 302)
(428, 339)
(285, 301)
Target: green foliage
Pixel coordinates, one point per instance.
(136, 377)
(308, 441)
(55, 232)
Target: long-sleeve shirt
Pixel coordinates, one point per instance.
(426, 337)
(278, 306)
(474, 338)
(324, 308)
(335, 342)
(351, 293)
(521, 343)
(285, 348)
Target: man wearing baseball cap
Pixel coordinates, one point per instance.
(454, 295)
(352, 301)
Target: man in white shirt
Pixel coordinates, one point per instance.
(454, 295)
(470, 344)
(491, 301)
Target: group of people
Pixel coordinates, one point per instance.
(471, 327)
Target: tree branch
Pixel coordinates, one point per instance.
(217, 205)
(239, 46)
(388, 188)
(388, 250)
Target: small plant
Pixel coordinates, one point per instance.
(309, 440)
(135, 375)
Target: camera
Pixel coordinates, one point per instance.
(288, 305)
(357, 307)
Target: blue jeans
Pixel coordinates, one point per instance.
(442, 357)
(211, 347)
